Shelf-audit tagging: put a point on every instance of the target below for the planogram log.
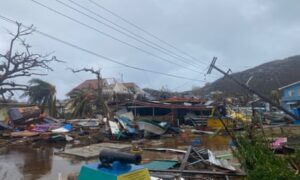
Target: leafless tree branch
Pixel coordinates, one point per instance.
(91, 70)
(20, 61)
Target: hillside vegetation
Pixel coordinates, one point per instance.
(266, 77)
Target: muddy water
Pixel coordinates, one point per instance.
(27, 162)
(30, 162)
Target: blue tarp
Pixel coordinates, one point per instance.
(127, 124)
(68, 127)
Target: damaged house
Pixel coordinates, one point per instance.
(112, 90)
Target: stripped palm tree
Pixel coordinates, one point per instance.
(82, 103)
(42, 93)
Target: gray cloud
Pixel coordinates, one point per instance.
(241, 33)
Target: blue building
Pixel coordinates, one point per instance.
(290, 97)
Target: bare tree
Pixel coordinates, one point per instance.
(99, 99)
(19, 61)
(98, 75)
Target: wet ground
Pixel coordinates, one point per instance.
(31, 162)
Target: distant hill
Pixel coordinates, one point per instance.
(266, 77)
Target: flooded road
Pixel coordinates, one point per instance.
(38, 162)
(34, 163)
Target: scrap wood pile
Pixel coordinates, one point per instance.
(28, 124)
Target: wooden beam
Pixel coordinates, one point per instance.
(203, 172)
(185, 159)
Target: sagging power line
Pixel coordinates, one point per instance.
(147, 32)
(112, 37)
(99, 55)
(131, 34)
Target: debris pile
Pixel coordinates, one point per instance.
(28, 124)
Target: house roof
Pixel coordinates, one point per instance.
(133, 88)
(141, 104)
(117, 87)
(289, 85)
(129, 85)
(89, 84)
(120, 88)
(175, 99)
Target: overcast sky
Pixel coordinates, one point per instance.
(241, 34)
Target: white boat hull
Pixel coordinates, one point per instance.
(151, 128)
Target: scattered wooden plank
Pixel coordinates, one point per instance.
(185, 159)
(165, 149)
(203, 172)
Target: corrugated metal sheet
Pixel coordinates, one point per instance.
(160, 164)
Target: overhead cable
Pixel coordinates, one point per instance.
(114, 38)
(135, 36)
(99, 55)
(147, 32)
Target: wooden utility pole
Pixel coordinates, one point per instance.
(213, 66)
(100, 100)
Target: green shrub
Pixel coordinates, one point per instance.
(297, 157)
(260, 162)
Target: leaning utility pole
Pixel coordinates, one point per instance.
(213, 66)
